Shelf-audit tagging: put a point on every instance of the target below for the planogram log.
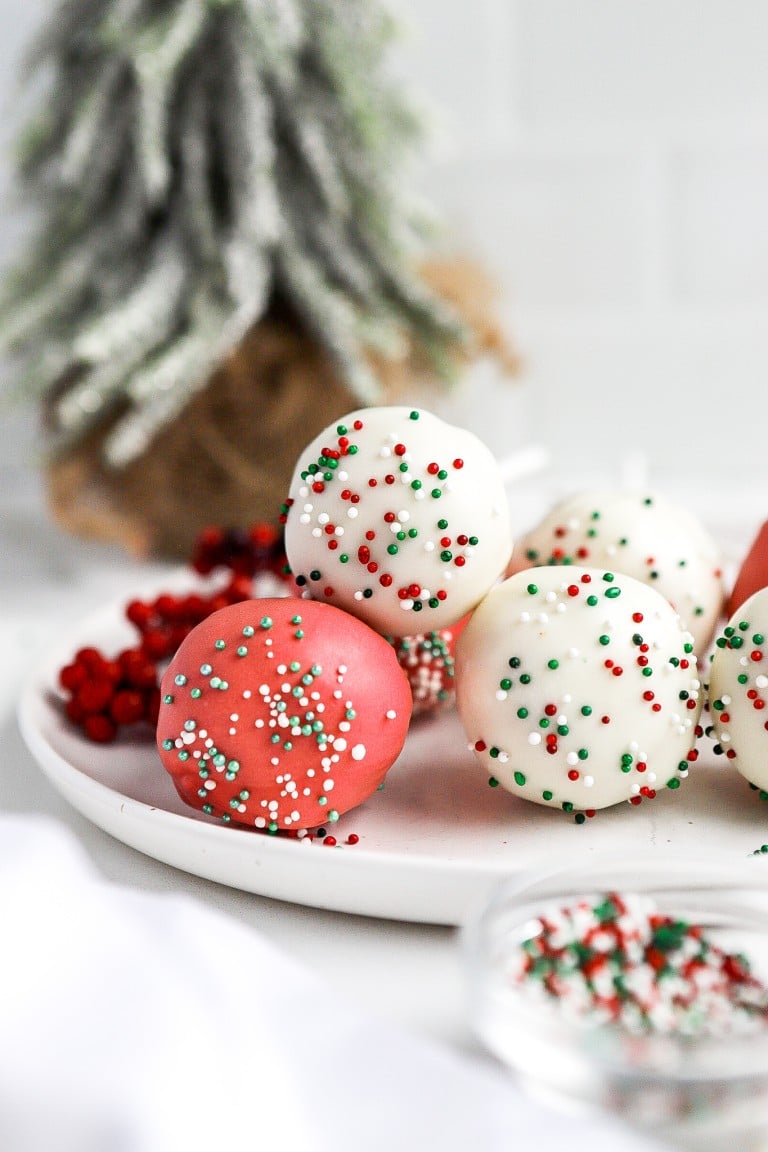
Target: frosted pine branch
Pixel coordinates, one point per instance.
(191, 160)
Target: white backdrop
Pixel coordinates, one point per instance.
(609, 163)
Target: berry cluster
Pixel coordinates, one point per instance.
(105, 694)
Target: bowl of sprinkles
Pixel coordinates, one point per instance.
(642, 994)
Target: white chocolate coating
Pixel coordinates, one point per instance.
(738, 689)
(399, 518)
(643, 535)
(578, 688)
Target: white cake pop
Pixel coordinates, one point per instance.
(643, 535)
(738, 689)
(399, 518)
(578, 689)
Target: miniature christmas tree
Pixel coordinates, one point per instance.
(199, 165)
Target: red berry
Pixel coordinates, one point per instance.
(152, 705)
(100, 729)
(74, 711)
(90, 658)
(128, 707)
(72, 676)
(158, 643)
(137, 669)
(139, 613)
(94, 696)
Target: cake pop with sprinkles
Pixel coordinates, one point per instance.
(738, 690)
(398, 518)
(578, 690)
(643, 535)
(428, 661)
(281, 715)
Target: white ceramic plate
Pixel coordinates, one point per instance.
(432, 842)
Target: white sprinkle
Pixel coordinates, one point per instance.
(352, 513)
(589, 781)
(304, 518)
(429, 546)
(342, 475)
(391, 714)
(323, 518)
(501, 694)
(328, 785)
(534, 738)
(340, 744)
(247, 694)
(260, 822)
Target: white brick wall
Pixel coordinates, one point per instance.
(608, 160)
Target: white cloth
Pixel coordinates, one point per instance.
(135, 1022)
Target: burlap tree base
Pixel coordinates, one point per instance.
(228, 458)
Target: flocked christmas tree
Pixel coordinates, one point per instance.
(197, 165)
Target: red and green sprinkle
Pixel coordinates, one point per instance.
(619, 960)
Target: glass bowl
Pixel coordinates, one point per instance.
(698, 1091)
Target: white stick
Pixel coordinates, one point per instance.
(524, 463)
